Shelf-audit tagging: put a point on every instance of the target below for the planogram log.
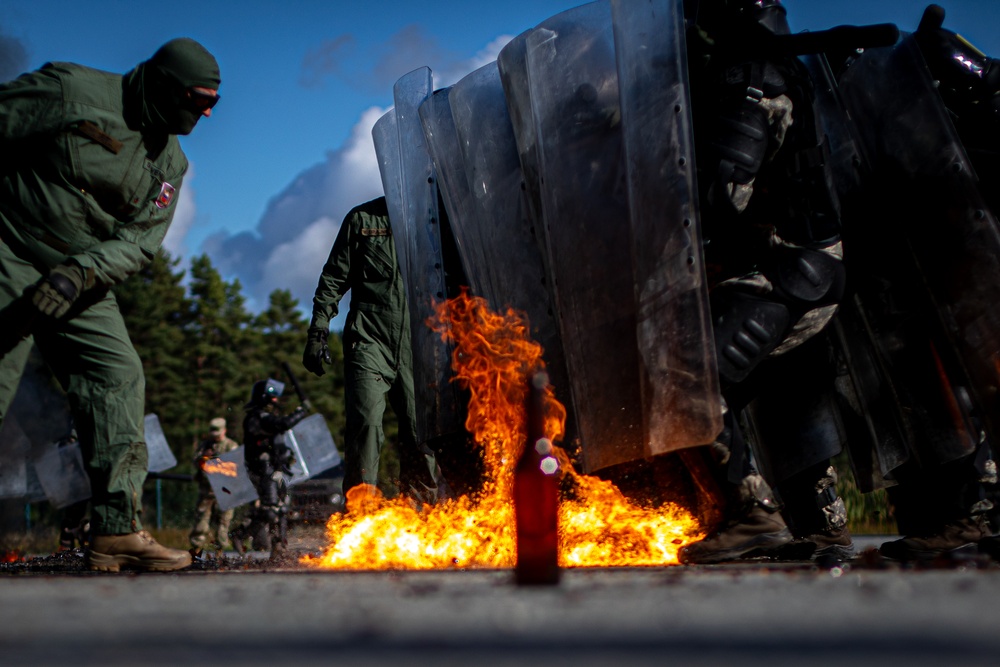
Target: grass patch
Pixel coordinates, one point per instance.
(867, 513)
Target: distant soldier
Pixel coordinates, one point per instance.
(269, 463)
(208, 508)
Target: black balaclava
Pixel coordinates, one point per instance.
(158, 86)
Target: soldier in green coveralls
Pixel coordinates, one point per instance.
(90, 170)
(377, 359)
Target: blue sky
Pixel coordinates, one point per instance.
(288, 150)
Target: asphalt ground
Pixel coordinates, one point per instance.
(256, 612)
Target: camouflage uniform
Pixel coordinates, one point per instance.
(208, 511)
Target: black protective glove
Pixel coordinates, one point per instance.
(55, 293)
(317, 351)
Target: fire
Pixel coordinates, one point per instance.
(598, 526)
(219, 467)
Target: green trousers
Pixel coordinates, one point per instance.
(369, 382)
(91, 356)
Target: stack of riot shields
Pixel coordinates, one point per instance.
(922, 334)
(566, 172)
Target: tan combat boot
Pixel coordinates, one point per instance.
(755, 524)
(109, 553)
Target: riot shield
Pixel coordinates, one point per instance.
(227, 475)
(160, 456)
(677, 368)
(512, 65)
(34, 492)
(386, 140)
(14, 450)
(930, 258)
(314, 448)
(442, 142)
(502, 231)
(573, 87)
(61, 473)
(438, 412)
(869, 406)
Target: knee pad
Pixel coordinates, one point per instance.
(806, 277)
(747, 328)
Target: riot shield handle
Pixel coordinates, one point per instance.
(840, 37)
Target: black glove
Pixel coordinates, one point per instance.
(55, 293)
(317, 351)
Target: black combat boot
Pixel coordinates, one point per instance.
(956, 536)
(990, 546)
(817, 516)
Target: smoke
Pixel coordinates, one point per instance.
(13, 56)
(293, 238)
(325, 60)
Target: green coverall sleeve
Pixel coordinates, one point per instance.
(335, 280)
(134, 246)
(32, 105)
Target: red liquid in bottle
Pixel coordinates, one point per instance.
(536, 496)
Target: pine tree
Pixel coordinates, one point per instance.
(222, 349)
(157, 313)
(284, 329)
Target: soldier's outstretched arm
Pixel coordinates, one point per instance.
(334, 282)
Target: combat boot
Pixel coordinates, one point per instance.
(990, 546)
(818, 518)
(957, 535)
(109, 553)
(758, 525)
(759, 529)
(834, 544)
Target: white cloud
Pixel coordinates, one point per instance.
(294, 236)
(299, 225)
(183, 217)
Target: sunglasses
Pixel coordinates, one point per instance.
(202, 101)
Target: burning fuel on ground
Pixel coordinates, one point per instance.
(598, 526)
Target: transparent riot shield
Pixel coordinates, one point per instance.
(677, 370)
(416, 208)
(14, 450)
(386, 139)
(512, 65)
(33, 492)
(866, 405)
(442, 142)
(60, 471)
(502, 233)
(160, 456)
(314, 448)
(573, 87)
(227, 475)
(930, 255)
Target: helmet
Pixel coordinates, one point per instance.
(265, 392)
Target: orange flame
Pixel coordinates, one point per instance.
(219, 467)
(598, 526)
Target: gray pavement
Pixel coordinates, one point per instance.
(865, 613)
